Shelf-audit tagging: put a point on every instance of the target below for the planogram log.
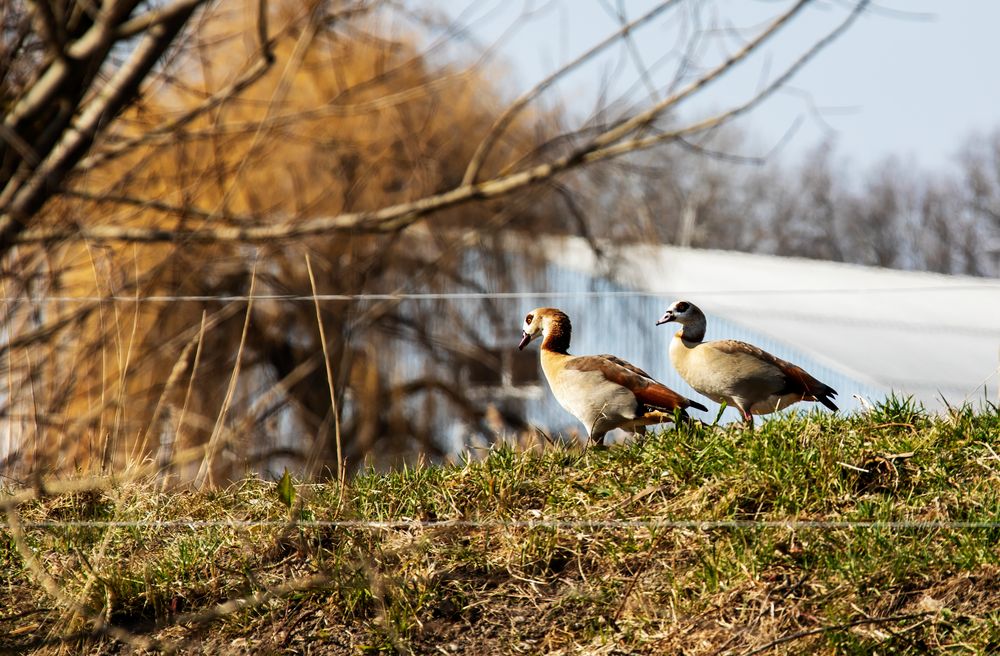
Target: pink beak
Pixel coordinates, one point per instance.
(667, 317)
(525, 338)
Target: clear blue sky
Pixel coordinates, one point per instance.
(911, 78)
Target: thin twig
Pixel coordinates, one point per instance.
(341, 465)
(711, 122)
(257, 71)
(212, 448)
(647, 116)
(506, 118)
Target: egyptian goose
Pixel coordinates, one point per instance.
(737, 373)
(602, 391)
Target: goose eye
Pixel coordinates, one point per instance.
(528, 319)
(682, 307)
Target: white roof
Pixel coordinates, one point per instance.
(925, 334)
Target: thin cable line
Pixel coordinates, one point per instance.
(886, 324)
(434, 296)
(404, 524)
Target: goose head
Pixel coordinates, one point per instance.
(682, 312)
(540, 322)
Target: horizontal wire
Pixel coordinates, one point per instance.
(433, 296)
(577, 524)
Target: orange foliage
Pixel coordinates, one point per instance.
(346, 119)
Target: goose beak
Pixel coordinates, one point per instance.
(667, 317)
(525, 338)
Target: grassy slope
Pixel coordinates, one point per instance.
(592, 589)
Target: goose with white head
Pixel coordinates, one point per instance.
(603, 391)
(739, 374)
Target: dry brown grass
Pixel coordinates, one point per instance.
(352, 116)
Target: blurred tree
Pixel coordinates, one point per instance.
(349, 124)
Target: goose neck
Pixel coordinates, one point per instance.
(693, 331)
(557, 336)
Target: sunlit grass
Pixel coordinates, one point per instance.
(586, 584)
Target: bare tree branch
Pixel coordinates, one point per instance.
(163, 14)
(646, 117)
(507, 117)
(399, 216)
(28, 190)
(52, 34)
(719, 119)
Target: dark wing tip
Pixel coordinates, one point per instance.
(824, 394)
(696, 405)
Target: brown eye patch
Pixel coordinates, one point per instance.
(529, 318)
(682, 306)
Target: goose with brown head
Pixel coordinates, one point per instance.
(603, 391)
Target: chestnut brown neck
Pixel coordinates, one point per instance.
(558, 333)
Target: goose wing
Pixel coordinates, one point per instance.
(647, 390)
(796, 380)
